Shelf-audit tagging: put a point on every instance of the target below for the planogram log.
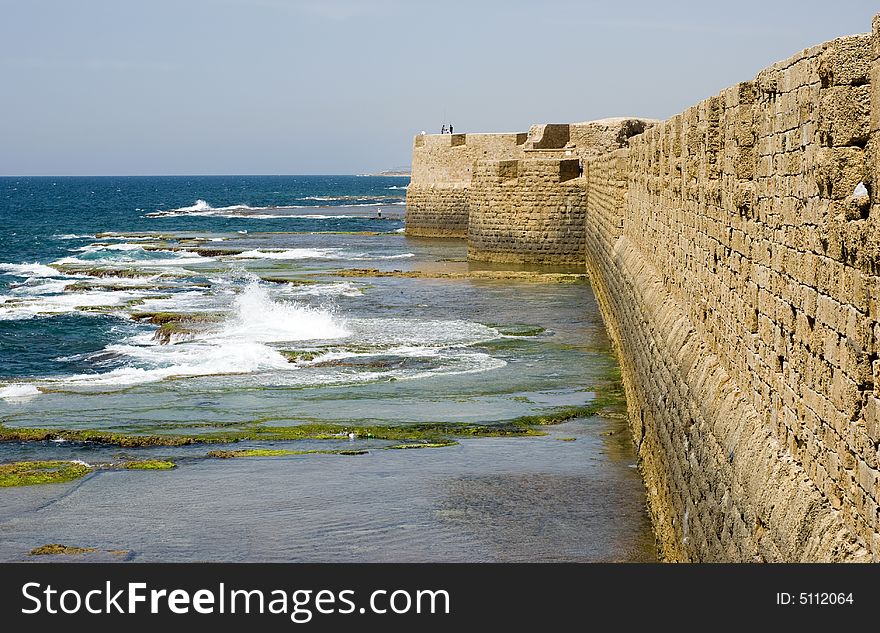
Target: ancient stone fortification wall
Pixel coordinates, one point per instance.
(734, 251)
(439, 198)
(532, 210)
(436, 199)
(527, 211)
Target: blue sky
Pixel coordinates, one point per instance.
(340, 86)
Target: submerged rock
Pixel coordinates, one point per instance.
(41, 472)
(473, 274)
(54, 549)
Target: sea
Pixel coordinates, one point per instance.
(190, 305)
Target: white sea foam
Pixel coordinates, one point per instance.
(258, 318)
(40, 286)
(29, 270)
(299, 216)
(397, 187)
(239, 345)
(339, 289)
(314, 253)
(202, 207)
(182, 360)
(293, 253)
(18, 392)
(245, 344)
(419, 333)
(189, 301)
(94, 248)
(14, 308)
(73, 236)
(132, 254)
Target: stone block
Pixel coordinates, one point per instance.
(844, 116)
(846, 61)
(838, 171)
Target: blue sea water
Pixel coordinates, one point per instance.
(44, 219)
(36, 212)
(281, 330)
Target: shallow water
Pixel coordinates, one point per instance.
(372, 351)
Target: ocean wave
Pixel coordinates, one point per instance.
(18, 392)
(241, 344)
(40, 286)
(338, 289)
(397, 187)
(94, 248)
(18, 308)
(204, 208)
(256, 321)
(73, 236)
(131, 254)
(28, 270)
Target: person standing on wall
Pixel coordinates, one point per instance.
(450, 128)
(443, 129)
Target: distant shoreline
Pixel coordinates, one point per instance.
(408, 174)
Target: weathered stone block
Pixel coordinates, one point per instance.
(846, 61)
(844, 113)
(838, 171)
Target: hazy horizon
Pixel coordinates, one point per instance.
(308, 87)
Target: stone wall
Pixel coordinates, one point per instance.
(735, 251)
(736, 265)
(436, 198)
(532, 210)
(527, 211)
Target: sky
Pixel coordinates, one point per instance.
(150, 87)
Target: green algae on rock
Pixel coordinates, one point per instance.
(54, 549)
(523, 426)
(280, 452)
(106, 271)
(517, 329)
(177, 323)
(146, 464)
(563, 278)
(443, 444)
(24, 434)
(297, 356)
(41, 472)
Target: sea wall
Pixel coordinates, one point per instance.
(735, 252)
(735, 257)
(527, 211)
(437, 196)
(532, 210)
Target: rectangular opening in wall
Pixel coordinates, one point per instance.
(521, 138)
(457, 139)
